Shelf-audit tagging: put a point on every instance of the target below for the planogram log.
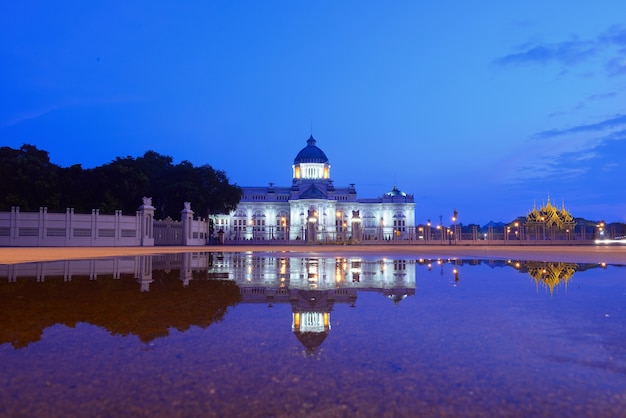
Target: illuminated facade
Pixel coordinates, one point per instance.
(313, 209)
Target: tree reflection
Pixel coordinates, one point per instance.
(28, 306)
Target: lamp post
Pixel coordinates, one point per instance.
(428, 230)
(441, 227)
(454, 217)
(517, 235)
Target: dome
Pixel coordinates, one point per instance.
(395, 192)
(311, 153)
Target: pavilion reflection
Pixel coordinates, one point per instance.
(551, 274)
(547, 273)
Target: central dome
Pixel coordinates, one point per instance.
(311, 153)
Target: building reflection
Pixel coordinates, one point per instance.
(146, 296)
(313, 285)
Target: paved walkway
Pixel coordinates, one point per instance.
(612, 254)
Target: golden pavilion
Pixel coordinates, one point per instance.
(549, 219)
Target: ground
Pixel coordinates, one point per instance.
(593, 253)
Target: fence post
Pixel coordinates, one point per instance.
(147, 220)
(186, 215)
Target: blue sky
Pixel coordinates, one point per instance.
(486, 107)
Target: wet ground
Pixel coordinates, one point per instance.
(278, 334)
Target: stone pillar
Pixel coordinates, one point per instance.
(186, 216)
(146, 213)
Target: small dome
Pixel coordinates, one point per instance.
(311, 153)
(395, 192)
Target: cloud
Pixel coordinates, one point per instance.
(615, 35)
(616, 66)
(17, 119)
(611, 123)
(574, 51)
(571, 155)
(584, 103)
(602, 96)
(568, 52)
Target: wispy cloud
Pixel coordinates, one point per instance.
(616, 66)
(601, 96)
(26, 116)
(614, 35)
(568, 52)
(571, 153)
(611, 123)
(574, 51)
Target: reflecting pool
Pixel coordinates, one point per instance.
(295, 334)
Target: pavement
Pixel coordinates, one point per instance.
(610, 254)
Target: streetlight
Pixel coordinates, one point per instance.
(428, 229)
(454, 217)
(517, 230)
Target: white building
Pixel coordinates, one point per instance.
(313, 209)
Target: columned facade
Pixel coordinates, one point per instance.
(314, 210)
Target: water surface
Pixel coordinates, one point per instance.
(280, 334)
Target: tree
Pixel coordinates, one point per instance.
(28, 179)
